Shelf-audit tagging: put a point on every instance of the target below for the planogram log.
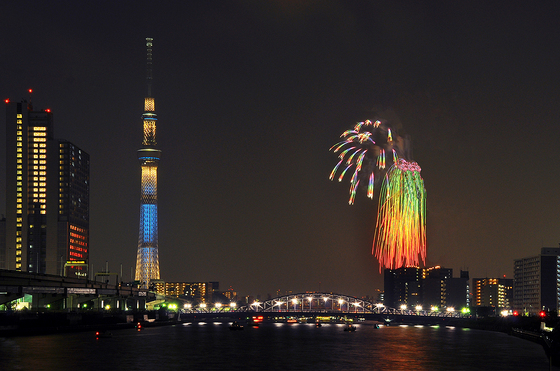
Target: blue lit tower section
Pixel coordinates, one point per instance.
(147, 261)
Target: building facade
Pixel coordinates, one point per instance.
(493, 292)
(403, 286)
(47, 196)
(536, 282)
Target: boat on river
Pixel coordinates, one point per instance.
(235, 326)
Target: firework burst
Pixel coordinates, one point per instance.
(373, 154)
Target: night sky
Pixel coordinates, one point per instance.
(250, 96)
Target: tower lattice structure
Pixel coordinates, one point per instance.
(147, 260)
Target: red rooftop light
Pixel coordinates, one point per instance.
(6, 101)
(31, 90)
(48, 110)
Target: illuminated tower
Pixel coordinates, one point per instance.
(147, 261)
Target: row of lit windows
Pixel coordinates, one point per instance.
(19, 167)
(19, 182)
(78, 242)
(77, 248)
(76, 235)
(74, 228)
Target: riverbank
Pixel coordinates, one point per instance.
(504, 324)
(41, 323)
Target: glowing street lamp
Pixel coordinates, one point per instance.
(203, 305)
(403, 307)
(232, 304)
(418, 308)
(218, 305)
(295, 302)
(310, 298)
(188, 306)
(279, 303)
(434, 308)
(340, 302)
(356, 305)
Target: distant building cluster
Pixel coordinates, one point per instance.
(46, 229)
(427, 287)
(196, 292)
(535, 287)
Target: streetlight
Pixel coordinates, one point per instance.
(340, 302)
(233, 304)
(310, 298)
(403, 307)
(295, 301)
(418, 308)
(356, 305)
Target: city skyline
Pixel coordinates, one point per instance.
(252, 95)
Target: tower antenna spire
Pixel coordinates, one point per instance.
(149, 43)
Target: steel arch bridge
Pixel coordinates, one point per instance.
(329, 302)
(319, 302)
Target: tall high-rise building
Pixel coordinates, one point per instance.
(47, 196)
(147, 260)
(403, 286)
(536, 282)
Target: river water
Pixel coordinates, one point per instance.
(274, 346)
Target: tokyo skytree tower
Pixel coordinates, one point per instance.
(147, 260)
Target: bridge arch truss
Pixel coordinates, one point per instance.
(319, 302)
